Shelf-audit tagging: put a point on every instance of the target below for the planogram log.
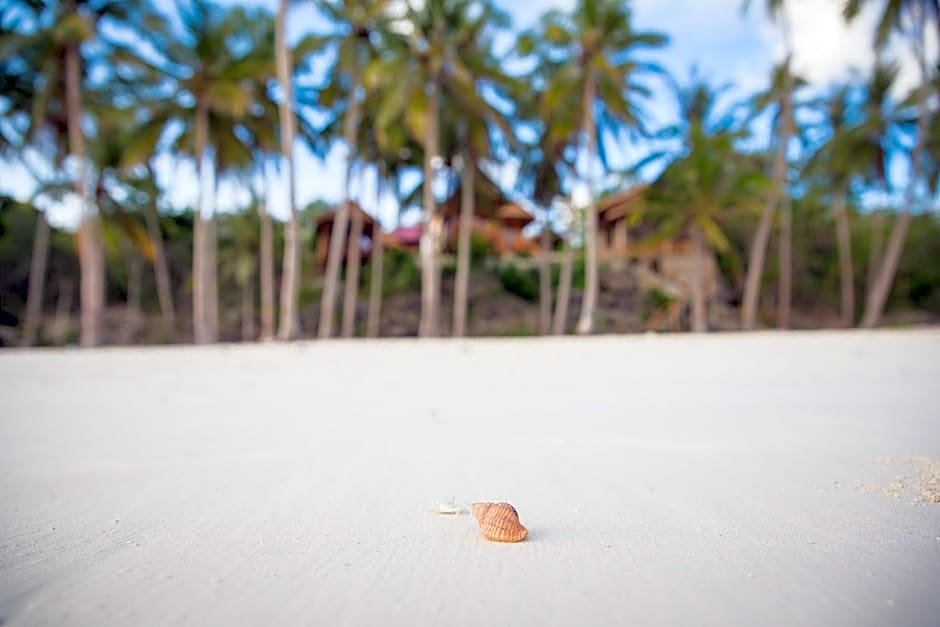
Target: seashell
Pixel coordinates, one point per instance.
(499, 522)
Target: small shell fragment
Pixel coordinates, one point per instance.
(499, 522)
(448, 507)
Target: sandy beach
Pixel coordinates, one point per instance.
(761, 479)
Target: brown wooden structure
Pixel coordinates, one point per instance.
(668, 265)
(324, 231)
(496, 218)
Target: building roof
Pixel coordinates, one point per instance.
(324, 221)
(616, 206)
(490, 202)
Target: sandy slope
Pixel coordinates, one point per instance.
(664, 480)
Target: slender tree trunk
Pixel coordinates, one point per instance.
(201, 334)
(758, 252)
(212, 275)
(267, 265)
(699, 304)
(589, 298)
(161, 272)
(876, 250)
(564, 290)
(375, 289)
(89, 233)
(465, 226)
(63, 311)
(545, 282)
(289, 327)
(431, 234)
(844, 242)
(37, 280)
(884, 280)
(351, 295)
(135, 270)
(340, 221)
(247, 311)
(785, 285)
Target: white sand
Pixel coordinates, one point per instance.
(665, 481)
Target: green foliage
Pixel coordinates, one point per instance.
(402, 272)
(481, 249)
(918, 280)
(522, 283)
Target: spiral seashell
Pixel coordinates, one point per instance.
(499, 522)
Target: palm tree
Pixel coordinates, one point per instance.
(431, 66)
(126, 144)
(911, 19)
(838, 159)
(864, 127)
(357, 22)
(54, 45)
(546, 162)
(289, 327)
(391, 162)
(473, 121)
(598, 41)
(21, 58)
(217, 85)
(782, 86)
(709, 179)
(781, 96)
(57, 34)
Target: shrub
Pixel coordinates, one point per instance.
(522, 283)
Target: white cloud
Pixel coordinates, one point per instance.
(827, 50)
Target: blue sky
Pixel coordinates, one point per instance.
(726, 46)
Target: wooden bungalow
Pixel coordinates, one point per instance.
(324, 231)
(665, 264)
(496, 218)
(404, 238)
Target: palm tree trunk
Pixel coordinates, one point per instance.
(432, 232)
(247, 311)
(589, 298)
(875, 250)
(375, 289)
(211, 269)
(884, 280)
(289, 327)
(161, 272)
(377, 259)
(340, 221)
(758, 252)
(89, 236)
(63, 312)
(699, 305)
(267, 266)
(545, 282)
(351, 292)
(785, 285)
(463, 245)
(135, 271)
(564, 290)
(200, 240)
(37, 280)
(844, 242)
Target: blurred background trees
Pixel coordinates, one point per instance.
(497, 141)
